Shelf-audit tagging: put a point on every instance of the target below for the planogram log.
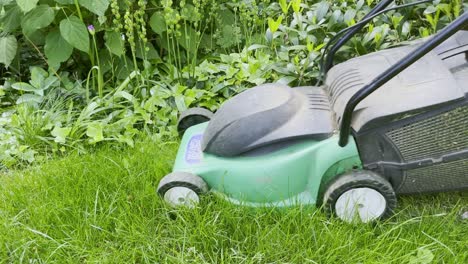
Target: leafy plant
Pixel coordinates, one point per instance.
(8, 46)
(110, 70)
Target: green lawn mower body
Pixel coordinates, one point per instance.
(282, 176)
(391, 122)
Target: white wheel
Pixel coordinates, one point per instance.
(366, 203)
(182, 189)
(181, 196)
(359, 195)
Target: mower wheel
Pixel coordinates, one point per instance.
(182, 189)
(361, 195)
(191, 117)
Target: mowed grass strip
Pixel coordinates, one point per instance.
(102, 208)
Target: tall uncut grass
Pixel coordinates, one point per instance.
(102, 208)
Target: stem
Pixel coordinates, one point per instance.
(187, 43)
(77, 5)
(100, 77)
(43, 57)
(87, 82)
(135, 65)
(168, 45)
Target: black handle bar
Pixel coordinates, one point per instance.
(327, 62)
(394, 70)
(331, 54)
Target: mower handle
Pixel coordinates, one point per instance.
(331, 54)
(394, 70)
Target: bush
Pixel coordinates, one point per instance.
(80, 72)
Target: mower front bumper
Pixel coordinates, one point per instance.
(288, 176)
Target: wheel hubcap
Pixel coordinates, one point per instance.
(366, 204)
(181, 196)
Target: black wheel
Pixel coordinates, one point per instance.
(360, 195)
(191, 117)
(182, 189)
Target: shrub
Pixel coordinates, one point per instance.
(82, 72)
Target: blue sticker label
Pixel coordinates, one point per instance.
(193, 154)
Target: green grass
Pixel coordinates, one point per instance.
(102, 208)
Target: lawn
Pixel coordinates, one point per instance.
(98, 76)
(102, 208)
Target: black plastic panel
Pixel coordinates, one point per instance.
(444, 176)
(420, 152)
(267, 115)
(432, 137)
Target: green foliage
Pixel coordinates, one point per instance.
(74, 31)
(57, 49)
(8, 46)
(423, 256)
(40, 17)
(114, 43)
(108, 70)
(98, 7)
(63, 92)
(27, 5)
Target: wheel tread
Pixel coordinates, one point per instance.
(191, 117)
(182, 179)
(358, 179)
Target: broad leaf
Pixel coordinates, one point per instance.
(65, 2)
(423, 256)
(256, 46)
(75, 33)
(94, 131)
(349, 15)
(98, 7)
(26, 5)
(38, 76)
(125, 95)
(22, 86)
(227, 17)
(273, 25)
(29, 98)
(322, 10)
(5, 2)
(157, 23)
(49, 82)
(12, 19)
(56, 49)
(124, 67)
(38, 18)
(114, 43)
(148, 52)
(26, 87)
(286, 80)
(180, 103)
(8, 47)
(188, 39)
(60, 134)
(430, 10)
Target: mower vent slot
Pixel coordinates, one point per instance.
(432, 137)
(318, 101)
(346, 80)
(441, 177)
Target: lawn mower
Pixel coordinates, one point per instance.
(387, 123)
